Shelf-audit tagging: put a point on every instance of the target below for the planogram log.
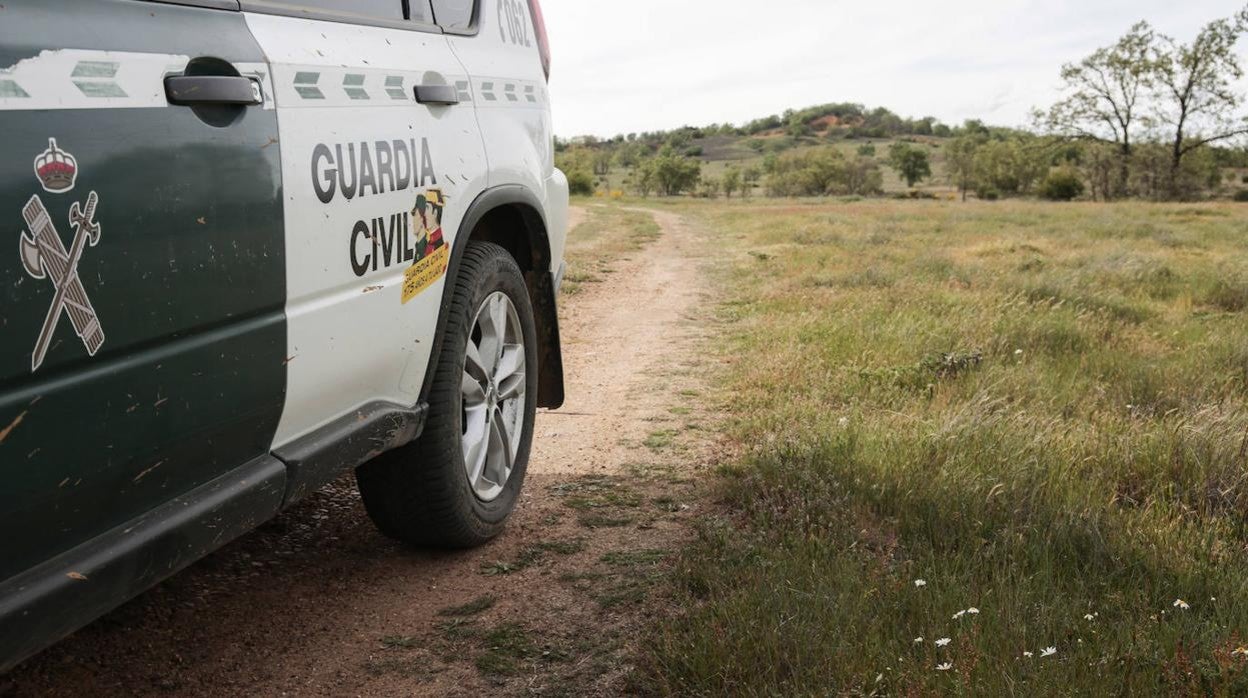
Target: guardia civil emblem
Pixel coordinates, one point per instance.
(44, 255)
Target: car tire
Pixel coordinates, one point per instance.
(426, 493)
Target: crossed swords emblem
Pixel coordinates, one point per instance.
(44, 256)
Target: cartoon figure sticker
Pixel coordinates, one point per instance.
(44, 255)
(432, 252)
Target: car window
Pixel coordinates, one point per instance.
(455, 15)
(362, 10)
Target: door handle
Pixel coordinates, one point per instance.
(212, 89)
(445, 95)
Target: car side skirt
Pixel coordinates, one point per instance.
(347, 443)
(49, 602)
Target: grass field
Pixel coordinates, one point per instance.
(983, 449)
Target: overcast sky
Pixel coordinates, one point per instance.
(655, 64)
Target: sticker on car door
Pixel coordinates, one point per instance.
(44, 255)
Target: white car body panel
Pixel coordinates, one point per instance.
(513, 110)
(351, 339)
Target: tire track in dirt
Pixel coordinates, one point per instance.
(318, 603)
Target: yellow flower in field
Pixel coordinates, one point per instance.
(1181, 604)
(1240, 651)
(944, 667)
(1048, 651)
(943, 641)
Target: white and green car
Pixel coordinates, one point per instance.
(254, 245)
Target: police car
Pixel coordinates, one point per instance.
(254, 245)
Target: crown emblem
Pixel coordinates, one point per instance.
(56, 169)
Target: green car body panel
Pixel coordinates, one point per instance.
(187, 282)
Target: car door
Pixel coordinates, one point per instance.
(376, 184)
(142, 284)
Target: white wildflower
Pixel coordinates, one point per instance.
(1089, 617)
(1018, 352)
(1028, 654)
(973, 611)
(959, 614)
(1240, 650)
(918, 640)
(843, 422)
(944, 667)
(1048, 651)
(1181, 604)
(920, 582)
(943, 641)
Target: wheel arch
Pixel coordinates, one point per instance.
(512, 217)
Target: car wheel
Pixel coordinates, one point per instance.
(456, 485)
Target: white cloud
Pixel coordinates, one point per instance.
(651, 64)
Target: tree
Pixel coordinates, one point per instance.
(911, 163)
(1011, 165)
(812, 172)
(960, 160)
(1196, 86)
(710, 188)
(862, 177)
(732, 180)
(1105, 93)
(646, 177)
(581, 183)
(1063, 184)
(749, 180)
(675, 174)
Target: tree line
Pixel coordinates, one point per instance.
(1148, 116)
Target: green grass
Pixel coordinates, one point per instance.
(1039, 410)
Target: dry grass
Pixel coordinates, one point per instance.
(1039, 410)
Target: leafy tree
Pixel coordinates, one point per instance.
(961, 160)
(1196, 85)
(675, 174)
(602, 163)
(749, 179)
(646, 176)
(910, 162)
(1063, 184)
(710, 188)
(812, 172)
(581, 183)
(1105, 94)
(862, 176)
(1011, 166)
(732, 180)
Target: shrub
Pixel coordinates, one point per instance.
(581, 183)
(1241, 195)
(1062, 185)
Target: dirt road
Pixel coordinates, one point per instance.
(318, 603)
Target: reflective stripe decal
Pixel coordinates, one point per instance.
(77, 79)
